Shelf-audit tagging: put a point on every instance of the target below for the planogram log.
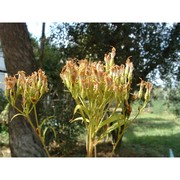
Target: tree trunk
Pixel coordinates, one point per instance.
(18, 55)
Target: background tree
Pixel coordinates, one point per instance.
(153, 46)
(18, 55)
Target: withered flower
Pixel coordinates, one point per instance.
(31, 88)
(148, 87)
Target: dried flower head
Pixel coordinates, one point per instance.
(31, 88)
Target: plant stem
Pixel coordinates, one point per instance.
(120, 134)
(90, 143)
(36, 118)
(39, 135)
(39, 130)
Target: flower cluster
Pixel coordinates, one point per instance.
(31, 88)
(89, 80)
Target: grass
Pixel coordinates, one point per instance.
(152, 134)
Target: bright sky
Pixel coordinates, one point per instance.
(35, 28)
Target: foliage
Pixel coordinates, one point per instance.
(153, 46)
(4, 107)
(173, 100)
(96, 88)
(4, 136)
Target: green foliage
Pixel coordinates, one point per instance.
(153, 46)
(173, 100)
(4, 136)
(4, 106)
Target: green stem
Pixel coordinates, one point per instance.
(36, 118)
(144, 105)
(17, 109)
(119, 137)
(39, 130)
(90, 144)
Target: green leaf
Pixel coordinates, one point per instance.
(45, 130)
(81, 108)
(76, 108)
(115, 117)
(114, 126)
(19, 114)
(111, 128)
(80, 118)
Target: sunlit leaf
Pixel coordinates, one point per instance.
(111, 119)
(80, 119)
(19, 114)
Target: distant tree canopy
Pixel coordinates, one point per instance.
(153, 46)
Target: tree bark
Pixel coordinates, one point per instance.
(18, 55)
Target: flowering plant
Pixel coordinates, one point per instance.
(97, 87)
(27, 90)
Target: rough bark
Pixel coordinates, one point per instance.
(18, 55)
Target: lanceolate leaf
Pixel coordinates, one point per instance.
(115, 117)
(46, 129)
(80, 119)
(19, 114)
(81, 108)
(111, 128)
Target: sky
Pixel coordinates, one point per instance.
(36, 28)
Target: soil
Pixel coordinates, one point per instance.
(74, 150)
